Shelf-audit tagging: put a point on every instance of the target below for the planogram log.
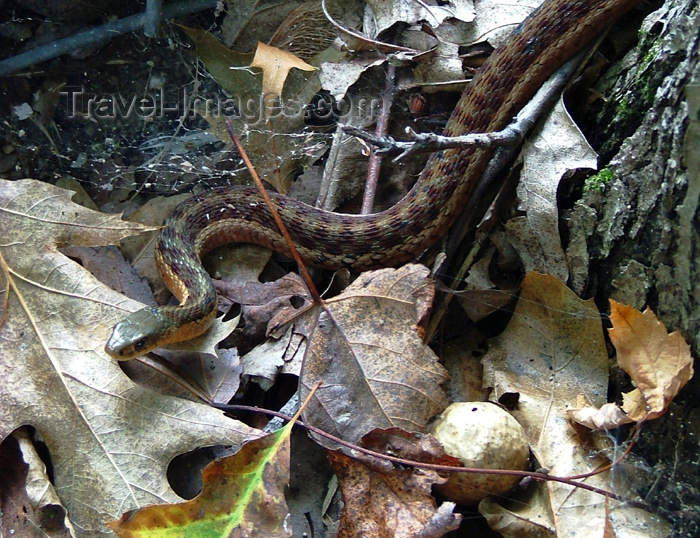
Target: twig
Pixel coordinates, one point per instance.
(375, 158)
(535, 475)
(154, 14)
(275, 215)
(99, 34)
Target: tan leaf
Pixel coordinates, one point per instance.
(555, 148)
(551, 353)
(375, 370)
(110, 440)
(659, 363)
(276, 64)
(606, 417)
(388, 504)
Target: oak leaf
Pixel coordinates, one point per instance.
(110, 440)
(242, 495)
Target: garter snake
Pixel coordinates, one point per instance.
(502, 86)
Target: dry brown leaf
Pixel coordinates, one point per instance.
(606, 417)
(375, 370)
(110, 440)
(660, 364)
(276, 64)
(553, 354)
(557, 147)
(266, 306)
(387, 504)
(28, 502)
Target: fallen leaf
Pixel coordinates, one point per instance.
(228, 67)
(110, 441)
(388, 503)
(242, 495)
(386, 14)
(276, 64)
(659, 363)
(606, 417)
(28, 502)
(553, 354)
(375, 370)
(555, 148)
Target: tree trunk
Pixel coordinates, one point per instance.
(642, 231)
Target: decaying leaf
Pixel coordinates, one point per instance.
(375, 370)
(553, 354)
(110, 440)
(386, 14)
(243, 495)
(28, 502)
(227, 66)
(556, 147)
(388, 503)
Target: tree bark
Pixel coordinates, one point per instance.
(641, 230)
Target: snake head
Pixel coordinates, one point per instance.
(136, 335)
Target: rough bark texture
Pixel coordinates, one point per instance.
(640, 231)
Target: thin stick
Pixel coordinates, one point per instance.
(275, 215)
(375, 158)
(535, 475)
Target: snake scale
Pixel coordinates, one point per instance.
(502, 86)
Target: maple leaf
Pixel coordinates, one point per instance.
(110, 440)
(659, 363)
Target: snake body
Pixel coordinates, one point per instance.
(502, 86)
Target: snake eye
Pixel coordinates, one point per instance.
(138, 346)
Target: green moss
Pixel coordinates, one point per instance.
(597, 182)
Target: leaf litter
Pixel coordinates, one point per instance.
(363, 343)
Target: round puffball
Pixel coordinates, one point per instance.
(482, 435)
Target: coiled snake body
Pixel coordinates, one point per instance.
(502, 86)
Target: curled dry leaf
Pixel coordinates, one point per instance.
(659, 363)
(374, 369)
